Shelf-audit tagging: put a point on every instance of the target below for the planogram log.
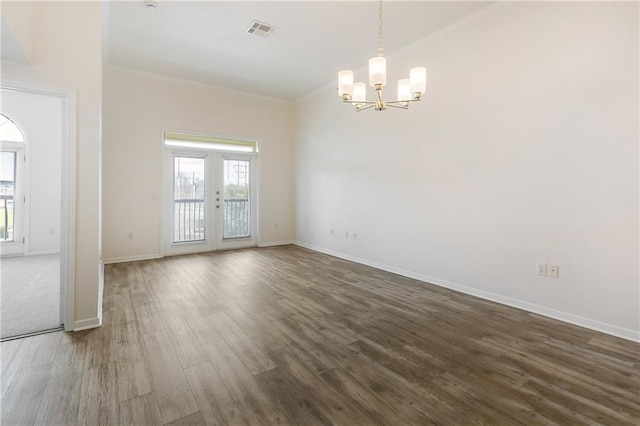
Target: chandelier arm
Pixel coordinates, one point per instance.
(402, 102)
(360, 102)
(393, 105)
(367, 107)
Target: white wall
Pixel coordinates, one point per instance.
(524, 150)
(41, 118)
(137, 107)
(67, 56)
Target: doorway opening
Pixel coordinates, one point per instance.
(34, 200)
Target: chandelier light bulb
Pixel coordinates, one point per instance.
(404, 90)
(359, 92)
(345, 83)
(418, 77)
(377, 71)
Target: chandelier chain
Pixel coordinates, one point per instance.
(380, 44)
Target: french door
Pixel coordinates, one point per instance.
(211, 201)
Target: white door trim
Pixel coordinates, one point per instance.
(68, 193)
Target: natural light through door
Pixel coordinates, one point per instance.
(236, 221)
(7, 195)
(189, 220)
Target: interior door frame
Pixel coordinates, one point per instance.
(68, 192)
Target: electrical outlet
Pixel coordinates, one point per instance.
(541, 269)
(354, 236)
(346, 234)
(130, 235)
(276, 226)
(554, 271)
(332, 232)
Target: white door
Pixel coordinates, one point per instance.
(210, 201)
(235, 201)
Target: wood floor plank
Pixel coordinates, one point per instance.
(141, 410)
(214, 400)
(194, 419)
(100, 346)
(19, 405)
(99, 396)
(242, 386)
(259, 326)
(187, 349)
(61, 398)
(290, 395)
(169, 383)
(13, 353)
(134, 375)
(200, 326)
(251, 355)
(42, 350)
(148, 317)
(337, 408)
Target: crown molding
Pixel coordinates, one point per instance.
(195, 83)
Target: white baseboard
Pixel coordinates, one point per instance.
(42, 253)
(87, 324)
(276, 243)
(132, 258)
(504, 300)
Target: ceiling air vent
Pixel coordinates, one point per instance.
(261, 29)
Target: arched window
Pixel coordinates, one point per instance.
(9, 131)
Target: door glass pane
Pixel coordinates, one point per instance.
(189, 219)
(236, 208)
(7, 191)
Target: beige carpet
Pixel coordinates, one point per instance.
(29, 294)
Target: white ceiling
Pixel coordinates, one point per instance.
(207, 42)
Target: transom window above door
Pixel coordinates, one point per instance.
(186, 140)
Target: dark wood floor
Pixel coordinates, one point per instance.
(288, 336)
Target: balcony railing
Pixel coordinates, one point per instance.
(190, 219)
(235, 221)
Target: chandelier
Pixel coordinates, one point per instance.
(409, 89)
